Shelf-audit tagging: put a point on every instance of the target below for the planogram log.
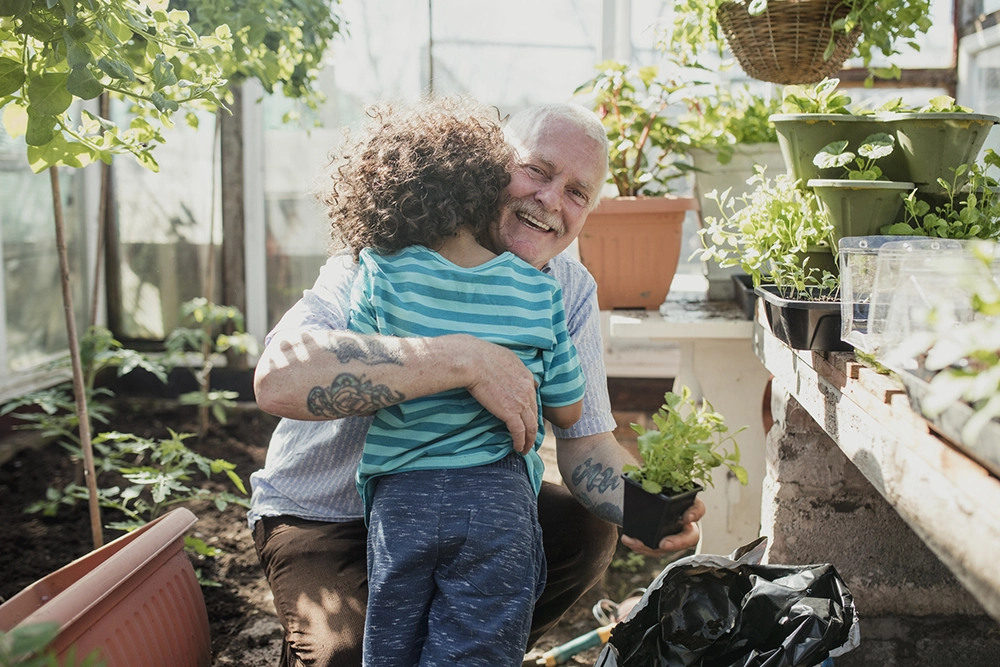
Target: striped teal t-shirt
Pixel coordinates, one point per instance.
(416, 293)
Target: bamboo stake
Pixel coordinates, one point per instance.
(79, 391)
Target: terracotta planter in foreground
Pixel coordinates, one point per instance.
(632, 246)
(135, 600)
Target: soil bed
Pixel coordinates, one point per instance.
(240, 610)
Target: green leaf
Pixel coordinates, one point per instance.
(163, 73)
(83, 83)
(28, 639)
(877, 146)
(69, 9)
(833, 155)
(14, 7)
(116, 69)
(41, 130)
(47, 94)
(11, 76)
(162, 104)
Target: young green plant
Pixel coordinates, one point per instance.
(971, 211)
(208, 341)
(860, 167)
(685, 447)
(769, 233)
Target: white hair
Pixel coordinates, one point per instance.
(524, 125)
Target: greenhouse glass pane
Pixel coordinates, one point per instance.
(163, 223)
(32, 295)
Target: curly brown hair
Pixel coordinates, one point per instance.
(416, 173)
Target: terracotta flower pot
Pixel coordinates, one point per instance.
(631, 245)
(652, 516)
(136, 601)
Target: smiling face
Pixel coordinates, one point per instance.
(555, 182)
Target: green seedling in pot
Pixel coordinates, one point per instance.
(971, 211)
(860, 167)
(684, 448)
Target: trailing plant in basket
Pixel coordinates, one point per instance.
(884, 25)
(685, 447)
(860, 167)
(971, 211)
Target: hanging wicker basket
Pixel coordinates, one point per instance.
(786, 43)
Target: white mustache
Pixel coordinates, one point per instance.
(535, 212)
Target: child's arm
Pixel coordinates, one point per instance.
(564, 416)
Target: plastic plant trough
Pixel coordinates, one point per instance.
(803, 325)
(136, 601)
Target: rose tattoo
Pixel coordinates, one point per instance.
(350, 395)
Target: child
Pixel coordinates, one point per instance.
(455, 559)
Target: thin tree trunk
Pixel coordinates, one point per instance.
(79, 390)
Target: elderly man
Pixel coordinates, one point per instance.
(306, 515)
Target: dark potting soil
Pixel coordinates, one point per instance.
(35, 546)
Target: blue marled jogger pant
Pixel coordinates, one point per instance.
(455, 565)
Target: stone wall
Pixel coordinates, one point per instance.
(818, 507)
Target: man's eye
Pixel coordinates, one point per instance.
(532, 168)
(582, 196)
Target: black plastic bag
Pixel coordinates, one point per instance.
(714, 611)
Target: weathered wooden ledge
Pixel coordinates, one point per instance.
(949, 501)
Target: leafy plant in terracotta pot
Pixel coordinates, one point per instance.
(631, 243)
(678, 458)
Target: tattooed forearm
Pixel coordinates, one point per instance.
(350, 395)
(597, 476)
(591, 480)
(367, 351)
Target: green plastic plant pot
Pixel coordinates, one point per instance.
(859, 208)
(819, 257)
(932, 144)
(802, 135)
(803, 325)
(650, 517)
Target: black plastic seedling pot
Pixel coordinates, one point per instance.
(651, 517)
(803, 325)
(744, 295)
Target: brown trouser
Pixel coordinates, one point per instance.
(319, 576)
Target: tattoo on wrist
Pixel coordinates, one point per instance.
(350, 395)
(370, 352)
(597, 477)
